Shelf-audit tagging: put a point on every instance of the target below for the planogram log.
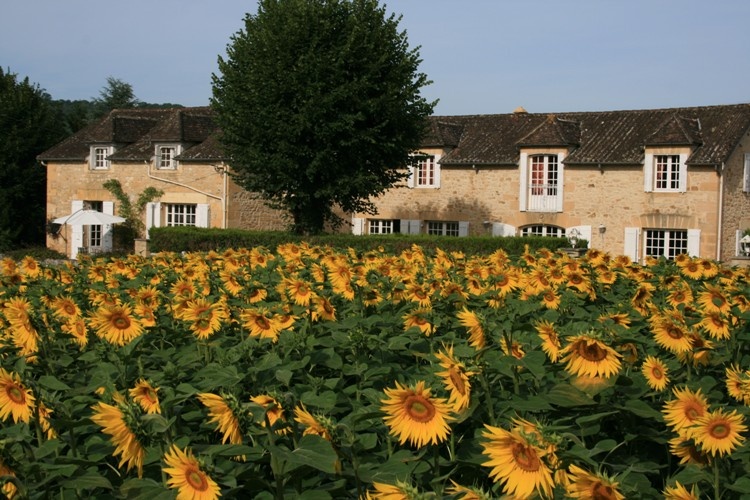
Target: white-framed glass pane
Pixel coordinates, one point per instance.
(380, 226)
(543, 180)
(166, 157)
(426, 171)
(181, 214)
(667, 172)
(442, 228)
(665, 243)
(542, 230)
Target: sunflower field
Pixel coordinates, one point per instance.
(312, 373)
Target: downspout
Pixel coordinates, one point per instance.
(720, 211)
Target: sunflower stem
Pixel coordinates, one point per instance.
(717, 490)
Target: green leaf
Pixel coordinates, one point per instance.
(567, 396)
(582, 421)
(642, 409)
(53, 383)
(311, 451)
(284, 376)
(88, 481)
(742, 485)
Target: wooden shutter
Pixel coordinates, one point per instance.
(523, 181)
(76, 232)
(463, 228)
(410, 226)
(202, 215)
(358, 225)
(683, 173)
(632, 242)
(501, 229)
(108, 208)
(694, 242)
(648, 173)
(153, 216)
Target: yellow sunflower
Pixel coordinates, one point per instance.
(671, 333)
(738, 384)
(65, 308)
(471, 321)
(261, 323)
(44, 423)
(719, 432)
(221, 414)
(230, 280)
(312, 424)
(115, 423)
(15, 399)
(686, 450)
(398, 491)
(273, 412)
(550, 339)
(642, 298)
(418, 318)
(680, 492)
(655, 372)
(517, 462)
(692, 269)
(205, 317)
(116, 324)
(589, 486)
(323, 309)
(467, 492)
(712, 299)
(298, 290)
(716, 324)
(77, 329)
(585, 355)
(682, 295)
(413, 415)
(683, 412)
(8, 489)
(144, 394)
(187, 476)
(550, 298)
(455, 379)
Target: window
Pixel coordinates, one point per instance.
(665, 242)
(666, 172)
(94, 231)
(443, 228)
(541, 183)
(542, 230)
(100, 157)
(180, 214)
(425, 171)
(165, 157)
(383, 226)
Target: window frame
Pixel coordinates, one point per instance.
(181, 211)
(443, 228)
(420, 180)
(103, 163)
(545, 230)
(382, 226)
(667, 171)
(673, 242)
(651, 172)
(159, 162)
(553, 196)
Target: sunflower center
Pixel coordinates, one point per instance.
(419, 408)
(196, 479)
(674, 332)
(719, 430)
(717, 321)
(591, 351)
(262, 322)
(656, 372)
(602, 491)
(717, 300)
(457, 380)
(15, 394)
(525, 458)
(69, 309)
(120, 321)
(692, 411)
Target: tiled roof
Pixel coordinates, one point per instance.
(599, 138)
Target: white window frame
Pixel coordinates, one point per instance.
(651, 171)
(447, 228)
(166, 163)
(180, 214)
(99, 157)
(543, 230)
(551, 197)
(425, 172)
(380, 226)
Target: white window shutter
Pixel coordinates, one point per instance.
(501, 229)
(358, 225)
(560, 183)
(108, 207)
(746, 176)
(410, 181)
(437, 171)
(202, 215)
(632, 237)
(463, 228)
(76, 232)
(694, 242)
(523, 172)
(683, 173)
(584, 233)
(648, 173)
(410, 226)
(153, 216)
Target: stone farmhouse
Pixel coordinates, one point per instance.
(636, 182)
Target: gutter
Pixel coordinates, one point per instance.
(720, 211)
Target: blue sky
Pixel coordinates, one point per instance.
(483, 56)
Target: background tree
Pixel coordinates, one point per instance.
(117, 94)
(29, 124)
(319, 103)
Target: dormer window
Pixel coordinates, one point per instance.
(165, 156)
(425, 171)
(665, 173)
(99, 157)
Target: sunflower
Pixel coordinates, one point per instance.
(221, 414)
(585, 485)
(685, 449)
(418, 318)
(682, 412)
(620, 319)
(398, 491)
(579, 281)
(641, 300)
(116, 324)
(471, 320)
(504, 282)
(655, 372)
(187, 476)
(719, 432)
(24, 335)
(77, 329)
(692, 269)
(230, 280)
(313, 425)
(585, 355)
(671, 333)
(712, 299)
(8, 489)
(413, 415)
(682, 295)
(205, 317)
(65, 308)
(416, 292)
(550, 339)
(145, 395)
(455, 379)
(298, 290)
(716, 324)
(273, 411)
(515, 349)
(701, 352)
(15, 399)
(323, 309)
(680, 492)
(260, 323)
(738, 384)
(517, 462)
(467, 492)
(115, 423)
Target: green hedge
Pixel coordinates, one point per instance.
(191, 239)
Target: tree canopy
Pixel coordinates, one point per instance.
(319, 104)
(30, 123)
(117, 94)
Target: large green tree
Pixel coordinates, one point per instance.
(29, 124)
(117, 94)
(319, 104)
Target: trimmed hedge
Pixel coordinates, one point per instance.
(192, 239)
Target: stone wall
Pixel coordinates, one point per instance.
(736, 214)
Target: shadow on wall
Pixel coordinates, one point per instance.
(456, 209)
